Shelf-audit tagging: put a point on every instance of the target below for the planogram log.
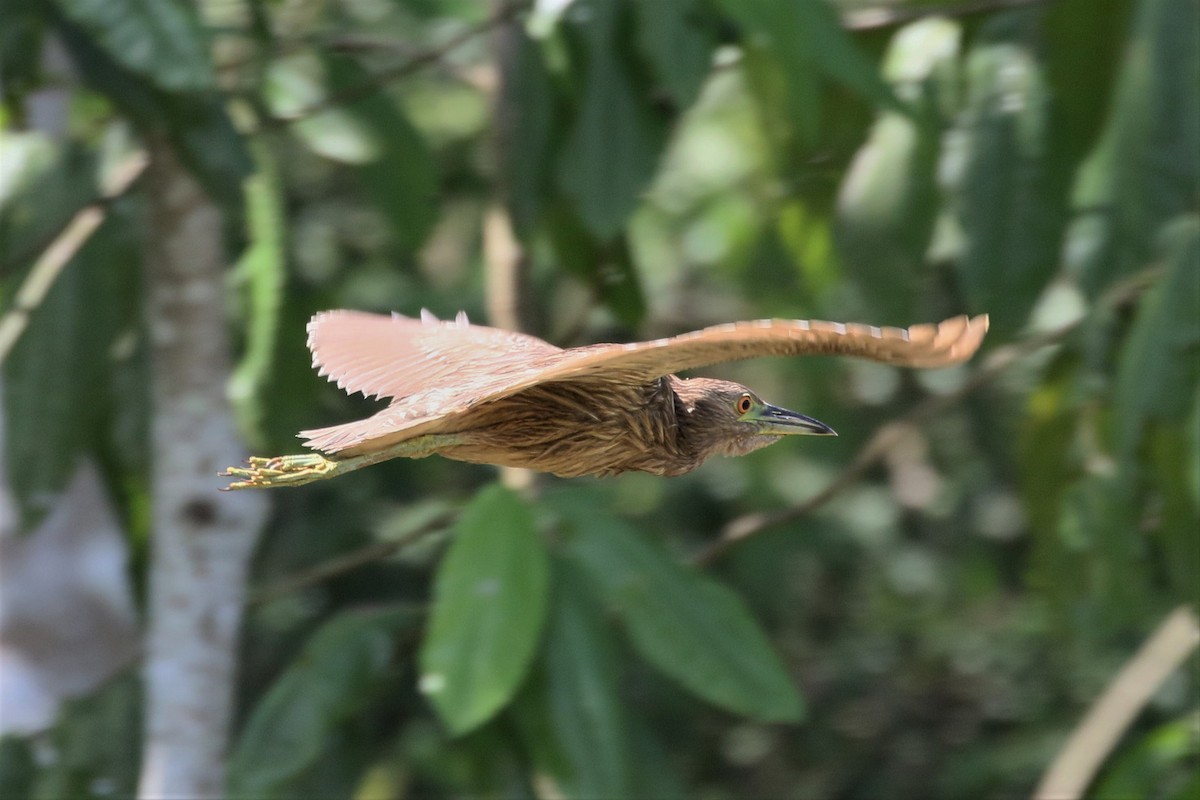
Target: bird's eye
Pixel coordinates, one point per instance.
(743, 404)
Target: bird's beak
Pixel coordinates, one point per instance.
(776, 421)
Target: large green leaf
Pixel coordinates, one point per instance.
(1010, 192)
(56, 377)
(342, 667)
(1160, 363)
(161, 40)
(1146, 167)
(581, 736)
(527, 135)
(403, 179)
(686, 624)
(613, 145)
(672, 38)
(489, 602)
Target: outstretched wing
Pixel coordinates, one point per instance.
(397, 356)
(438, 371)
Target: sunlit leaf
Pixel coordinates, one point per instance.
(295, 84)
(340, 670)
(262, 273)
(686, 624)
(888, 199)
(159, 39)
(489, 602)
(1008, 188)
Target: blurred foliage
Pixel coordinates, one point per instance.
(936, 630)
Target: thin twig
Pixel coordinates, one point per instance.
(1110, 716)
(351, 94)
(893, 432)
(347, 562)
(62, 249)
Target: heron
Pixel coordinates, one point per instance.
(489, 396)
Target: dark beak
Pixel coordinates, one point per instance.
(776, 421)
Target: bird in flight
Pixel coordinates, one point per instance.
(489, 396)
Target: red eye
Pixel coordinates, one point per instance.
(743, 404)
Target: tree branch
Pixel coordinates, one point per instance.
(62, 249)
(347, 562)
(503, 14)
(1111, 715)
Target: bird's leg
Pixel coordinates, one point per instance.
(297, 470)
(268, 473)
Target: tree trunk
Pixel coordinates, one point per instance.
(202, 541)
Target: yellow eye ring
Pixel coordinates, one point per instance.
(744, 403)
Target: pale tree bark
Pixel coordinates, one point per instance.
(202, 541)
(506, 264)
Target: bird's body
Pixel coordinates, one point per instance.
(483, 395)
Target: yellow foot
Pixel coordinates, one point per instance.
(268, 473)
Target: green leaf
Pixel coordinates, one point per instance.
(196, 122)
(56, 376)
(1161, 360)
(337, 674)
(261, 270)
(888, 200)
(607, 268)
(612, 148)
(528, 135)
(581, 737)
(403, 179)
(161, 40)
(1146, 166)
(886, 213)
(672, 40)
(788, 43)
(1049, 465)
(296, 83)
(1172, 457)
(97, 741)
(489, 602)
(686, 624)
(1010, 193)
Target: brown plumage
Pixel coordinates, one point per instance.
(479, 394)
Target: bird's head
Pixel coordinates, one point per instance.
(726, 418)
